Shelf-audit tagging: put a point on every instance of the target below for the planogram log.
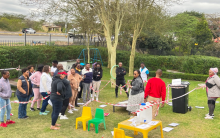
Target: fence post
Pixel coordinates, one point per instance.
(50, 40)
(68, 38)
(25, 39)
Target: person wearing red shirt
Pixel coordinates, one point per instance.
(155, 89)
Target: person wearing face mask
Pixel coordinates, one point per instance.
(136, 95)
(212, 91)
(97, 75)
(87, 74)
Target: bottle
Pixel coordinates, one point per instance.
(145, 115)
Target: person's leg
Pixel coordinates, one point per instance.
(45, 102)
(25, 106)
(74, 97)
(8, 107)
(2, 114)
(211, 105)
(88, 91)
(21, 108)
(71, 101)
(36, 96)
(94, 83)
(81, 89)
(116, 88)
(39, 101)
(98, 83)
(84, 92)
(64, 107)
(154, 108)
(57, 105)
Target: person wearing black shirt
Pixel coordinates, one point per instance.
(97, 75)
(120, 80)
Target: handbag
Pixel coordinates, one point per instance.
(209, 85)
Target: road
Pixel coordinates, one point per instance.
(34, 38)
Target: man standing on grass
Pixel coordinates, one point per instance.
(120, 80)
(54, 67)
(77, 62)
(88, 74)
(155, 90)
(144, 72)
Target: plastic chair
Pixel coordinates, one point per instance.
(99, 118)
(119, 133)
(86, 116)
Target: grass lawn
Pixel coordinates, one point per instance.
(191, 125)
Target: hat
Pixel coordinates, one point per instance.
(82, 64)
(215, 70)
(63, 73)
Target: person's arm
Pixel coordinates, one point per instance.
(44, 82)
(33, 76)
(60, 88)
(80, 78)
(1, 90)
(94, 75)
(163, 92)
(217, 81)
(147, 90)
(100, 74)
(136, 85)
(19, 84)
(124, 72)
(147, 72)
(117, 72)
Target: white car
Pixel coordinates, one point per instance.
(30, 31)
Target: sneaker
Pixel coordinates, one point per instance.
(10, 122)
(91, 95)
(26, 117)
(97, 99)
(63, 117)
(74, 109)
(3, 125)
(92, 99)
(38, 109)
(59, 114)
(46, 111)
(32, 109)
(70, 111)
(95, 95)
(42, 113)
(209, 117)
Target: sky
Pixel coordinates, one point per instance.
(204, 6)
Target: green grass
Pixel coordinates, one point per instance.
(191, 125)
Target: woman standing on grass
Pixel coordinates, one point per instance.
(45, 88)
(97, 75)
(57, 96)
(212, 91)
(136, 95)
(35, 79)
(5, 95)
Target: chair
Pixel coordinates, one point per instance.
(86, 116)
(119, 133)
(99, 118)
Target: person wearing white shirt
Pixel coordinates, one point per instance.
(144, 72)
(54, 67)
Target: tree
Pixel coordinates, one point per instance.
(214, 24)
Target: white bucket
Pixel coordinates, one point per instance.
(145, 116)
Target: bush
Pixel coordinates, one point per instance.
(196, 77)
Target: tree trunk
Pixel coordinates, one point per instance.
(131, 63)
(87, 45)
(113, 62)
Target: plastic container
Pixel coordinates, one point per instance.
(145, 116)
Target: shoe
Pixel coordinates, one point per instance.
(26, 117)
(70, 111)
(91, 95)
(10, 122)
(95, 95)
(59, 114)
(38, 109)
(77, 105)
(32, 109)
(42, 113)
(46, 111)
(209, 117)
(74, 109)
(97, 99)
(63, 117)
(92, 99)
(3, 125)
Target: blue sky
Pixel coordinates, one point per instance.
(206, 6)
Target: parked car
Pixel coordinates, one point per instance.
(73, 34)
(29, 30)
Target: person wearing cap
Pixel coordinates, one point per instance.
(35, 79)
(57, 96)
(155, 89)
(59, 67)
(212, 91)
(5, 95)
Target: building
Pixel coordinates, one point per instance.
(49, 27)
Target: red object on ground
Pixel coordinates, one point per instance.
(10, 122)
(106, 114)
(3, 125)
(11, 114)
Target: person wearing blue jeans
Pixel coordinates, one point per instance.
(44, 104)
(57, 96)
(5, 94)
(23, 92)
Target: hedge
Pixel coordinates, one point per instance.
(185, 76)
(27, 55)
